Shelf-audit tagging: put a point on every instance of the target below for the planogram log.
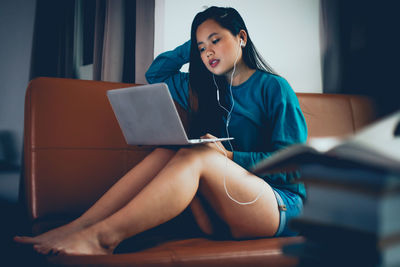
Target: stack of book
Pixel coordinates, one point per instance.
(351, 218)
(352, 213)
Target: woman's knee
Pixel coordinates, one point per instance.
(186, 156)
(164, 150)
(189, 154)
(197, 153)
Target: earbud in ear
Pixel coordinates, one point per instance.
(242, 43)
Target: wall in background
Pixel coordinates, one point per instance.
(16, 31)
(286, 33)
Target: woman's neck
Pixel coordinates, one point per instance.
(242, 73)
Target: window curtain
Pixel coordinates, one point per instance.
(120, 35)
(144, 38)
(360, 50)
(112, 36)
(330, 46)
(52, 51)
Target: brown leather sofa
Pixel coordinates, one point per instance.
(74, 151)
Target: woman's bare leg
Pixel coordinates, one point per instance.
(116, 197)
(171, 191)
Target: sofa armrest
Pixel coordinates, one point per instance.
(74, 149)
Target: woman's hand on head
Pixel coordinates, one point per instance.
(217, 146)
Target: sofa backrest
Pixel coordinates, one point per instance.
(334, 114)
(74, 149)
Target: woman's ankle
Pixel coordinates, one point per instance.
(107, 236)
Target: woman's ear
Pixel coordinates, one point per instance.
(243, 38)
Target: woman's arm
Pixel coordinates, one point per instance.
(288, 128)
(168, 64)
(285, 120)
(166, 68)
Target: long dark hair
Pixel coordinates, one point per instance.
(206, 115)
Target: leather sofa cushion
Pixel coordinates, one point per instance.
(197, 252)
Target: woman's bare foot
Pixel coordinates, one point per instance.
(89, 241)
(51, 236)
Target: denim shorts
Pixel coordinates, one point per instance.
(290, 206)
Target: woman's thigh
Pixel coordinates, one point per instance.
(219, 177)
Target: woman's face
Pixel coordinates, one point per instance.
(218, 47)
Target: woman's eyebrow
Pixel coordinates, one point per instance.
(208, 38)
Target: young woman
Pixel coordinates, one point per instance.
(228, 88)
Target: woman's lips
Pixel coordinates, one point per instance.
(213, 63)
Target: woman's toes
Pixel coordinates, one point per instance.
(47, 250)
(24, 239)
(56, 251)
(60, 252)
(38, 248)
(41, 249)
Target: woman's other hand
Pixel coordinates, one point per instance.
(217, 146)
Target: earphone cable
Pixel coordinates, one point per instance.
(225, 187)
(228, 118)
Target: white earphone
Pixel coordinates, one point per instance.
(242, 44)
(229, 112)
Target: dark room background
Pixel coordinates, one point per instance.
(78, 39)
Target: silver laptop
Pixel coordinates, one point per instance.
(147, 116)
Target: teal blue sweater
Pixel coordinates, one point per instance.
(266, 115)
